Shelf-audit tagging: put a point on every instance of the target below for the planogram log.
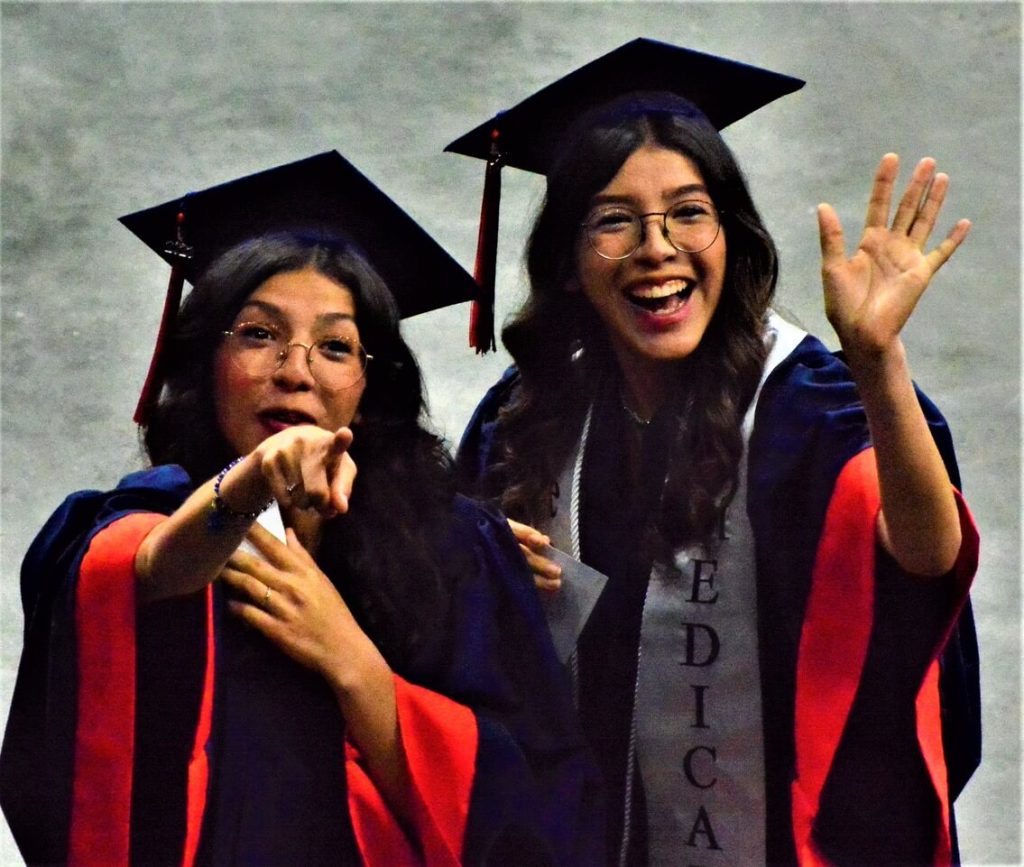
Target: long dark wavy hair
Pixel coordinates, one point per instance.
(538, 428)
(384, 552)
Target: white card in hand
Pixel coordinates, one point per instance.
(568, 608)
(271, 520)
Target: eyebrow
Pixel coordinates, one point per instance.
(685, 190)
(277, 313)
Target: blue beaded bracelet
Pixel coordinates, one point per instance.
(221, 514)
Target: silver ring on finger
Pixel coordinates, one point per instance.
(266, 599)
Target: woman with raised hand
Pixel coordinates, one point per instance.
(334, 687)
(786, 551)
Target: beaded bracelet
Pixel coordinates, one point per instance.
(221, 514)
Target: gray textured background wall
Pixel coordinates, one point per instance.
(107, 108)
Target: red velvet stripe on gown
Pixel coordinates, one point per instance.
(105, 601)
(440, 741)
(834, 643)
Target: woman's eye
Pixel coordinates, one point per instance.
(255, 333)
(611, 221)
(336, 348)
(691, 211)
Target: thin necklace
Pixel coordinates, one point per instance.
(634, 416)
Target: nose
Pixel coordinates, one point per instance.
(293, 371)
(654, 243)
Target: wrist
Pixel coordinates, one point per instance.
(886, 390)
(876, 364)
(239, 497)
(358, 676)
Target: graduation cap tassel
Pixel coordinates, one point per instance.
(481, 324)
(175, 284)
(154, 379)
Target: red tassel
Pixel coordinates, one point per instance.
(155, 377)
(481, 324)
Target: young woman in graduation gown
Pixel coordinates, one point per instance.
(376, 687)
(787, 552)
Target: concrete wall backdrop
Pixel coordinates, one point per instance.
(107, 108)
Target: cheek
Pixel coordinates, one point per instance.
(715, 268)
(343, 406)
(593, 277)
(720, 254)
(579, 274)
(231, 389)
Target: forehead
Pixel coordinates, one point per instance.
(303, 295)
(655, 170)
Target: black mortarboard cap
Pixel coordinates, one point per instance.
(528, 135)
(323, 194)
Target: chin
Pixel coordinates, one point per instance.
(667, 350)
(244, 442)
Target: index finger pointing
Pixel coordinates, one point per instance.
(342, 480)
(342, 439)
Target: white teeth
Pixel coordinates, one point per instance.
(660, 290)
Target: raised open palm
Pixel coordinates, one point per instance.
(870, 296)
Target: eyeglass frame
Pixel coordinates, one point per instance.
(282, 357)
(585, 225)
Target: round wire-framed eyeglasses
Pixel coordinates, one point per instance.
(616, 232)
(336, 362)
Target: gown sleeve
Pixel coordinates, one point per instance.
(872, 634)
(475, 454)
(499, 769)
(66, 764)
(104, 623)
(859, 691)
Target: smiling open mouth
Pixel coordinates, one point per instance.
(664, 298)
